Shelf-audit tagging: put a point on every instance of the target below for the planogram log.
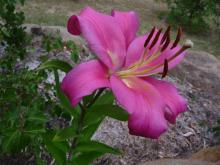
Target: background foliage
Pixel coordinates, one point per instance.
(194, 15)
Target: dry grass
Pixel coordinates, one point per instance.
(56, 12)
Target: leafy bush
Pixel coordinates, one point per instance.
(22, 117)
(12, 32)
(193, 15)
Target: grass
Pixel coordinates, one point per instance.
(56, 12)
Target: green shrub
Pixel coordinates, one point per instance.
(12, 32)
(194, 15)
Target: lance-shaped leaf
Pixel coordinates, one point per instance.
(106, 98)
(56, 64)
(99, 111)
(65, 134)
(55, 150)
(88, 131)
(85, 158)
(63, 99)
(94, 146)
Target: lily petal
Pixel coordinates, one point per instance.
(83, 80)
(135, 50)
(175, 103)
(144, 103)
(103, 35)
(129, 23)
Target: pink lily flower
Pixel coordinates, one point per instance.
(125, 65)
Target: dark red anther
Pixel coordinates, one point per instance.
(155, 39)
(179, 34)
(167, 42)
(165, 68)
(165, 35)
(149, 37)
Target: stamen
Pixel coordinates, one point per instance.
(155, 39)
(166, 34)
(180, 51)
(179, 34)
(165, 68)
(144, 72)
(149, 37)
(166, 43)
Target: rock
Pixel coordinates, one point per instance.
(177, 162)
(54, 31)
(201, 69)
(37, 30)
(211, 154)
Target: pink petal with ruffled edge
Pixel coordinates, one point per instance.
(129, 23)
(103, 35)
(83, 80)
(144, 103)
(175, 103)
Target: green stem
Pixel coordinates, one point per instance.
(95, 98)
(83, 109)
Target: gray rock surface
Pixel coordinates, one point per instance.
(177, 162)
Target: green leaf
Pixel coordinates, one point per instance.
(88, 131)
(85, 158)
(58, 154)
(36, 131)
(8, 141)
(106, 98)
(65, 134)
(63, 99)
(37, 117)
(91, 146)
(99, 111)
(64, 146)
(15, 141)
(56, 64)
(74, 56)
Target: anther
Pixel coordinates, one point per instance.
(179, 34)
(166, 34)
(155, 39)
(149, 37)
(166, 43)
(165, 68)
